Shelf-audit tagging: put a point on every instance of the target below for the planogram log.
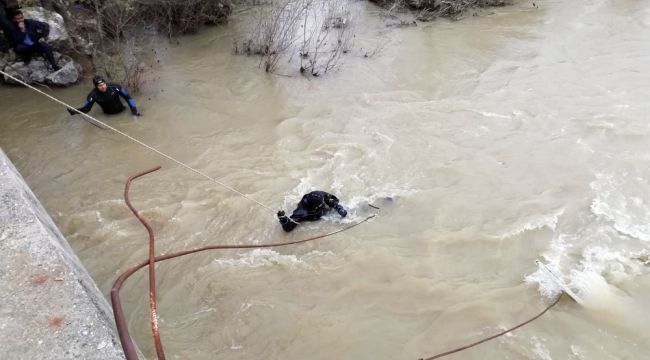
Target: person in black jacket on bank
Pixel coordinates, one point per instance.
(107, 95)
(29, 37)
(310, 208)
(5, 26)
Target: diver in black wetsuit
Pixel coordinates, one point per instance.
(310, 208)
(107, 95)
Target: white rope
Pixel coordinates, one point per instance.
(141, 143)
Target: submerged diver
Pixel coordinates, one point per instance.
(107, 95)
(310, 208)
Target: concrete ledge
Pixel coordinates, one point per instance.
(50, 308)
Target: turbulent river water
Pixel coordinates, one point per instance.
(518, 134)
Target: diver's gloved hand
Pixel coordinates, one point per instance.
(72, 111)
(135, 112)
(341, 210)
(283, 219)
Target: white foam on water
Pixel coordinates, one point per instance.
(576, 352)
(267, 257)
(374, 194)
(380, 138)
(630, 214)
(616, 265)
(235, 346)
(262, 257)
(613, 266)
(603, 252)
(585, 145)
(545, 221)
(494, 115)
(592, 282)
(540, 349)
(548, 286)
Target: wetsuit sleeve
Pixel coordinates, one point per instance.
(123, 93)
(90, 100)
(287, 225)
(331, 200)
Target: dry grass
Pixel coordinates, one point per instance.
(431, 9)
(123, 64)
(174, 17)
(274, 33)
(118, 23)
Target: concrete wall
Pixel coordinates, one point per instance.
(50, 308)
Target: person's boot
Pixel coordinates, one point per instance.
(54, 64)
(50, 58)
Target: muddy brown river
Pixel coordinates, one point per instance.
(515, 135)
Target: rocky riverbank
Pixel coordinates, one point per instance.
(106, 36)
(37, 70)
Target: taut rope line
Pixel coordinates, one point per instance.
(93, 120)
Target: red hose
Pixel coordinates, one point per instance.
(152, 268)
(120, 320)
